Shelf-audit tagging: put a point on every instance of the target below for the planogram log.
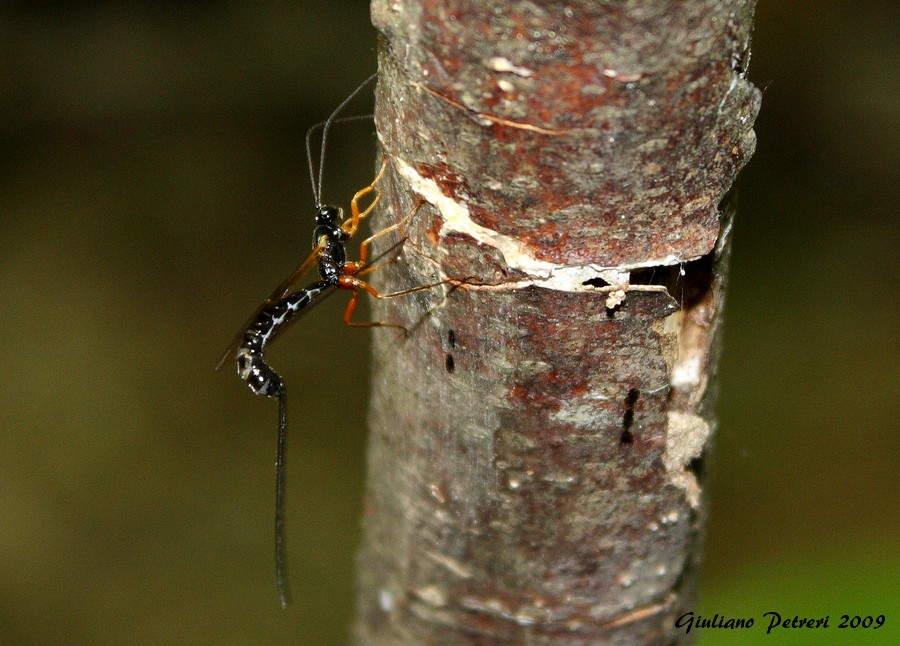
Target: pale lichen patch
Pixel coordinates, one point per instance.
(685, 439)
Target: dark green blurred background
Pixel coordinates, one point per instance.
(153, 188)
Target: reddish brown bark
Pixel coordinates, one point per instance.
(535, 438)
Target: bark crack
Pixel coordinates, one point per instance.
(488, 119)
(518, 255)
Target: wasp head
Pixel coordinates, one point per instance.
(328, 214)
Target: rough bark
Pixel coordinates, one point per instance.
(537, 436)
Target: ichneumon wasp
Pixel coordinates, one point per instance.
(335, 272)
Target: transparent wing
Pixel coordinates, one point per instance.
(287, 286)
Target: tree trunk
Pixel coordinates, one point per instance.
(537, 435)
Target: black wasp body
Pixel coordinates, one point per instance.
(329, 254)
(335, 271)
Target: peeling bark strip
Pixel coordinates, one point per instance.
(536, 440)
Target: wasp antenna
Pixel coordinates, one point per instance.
(312, 173)
(317, 188)
(309, 134)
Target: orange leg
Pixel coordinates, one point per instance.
(352, 269)
(351, 225)
(355, 284)
(364, 245)
(349, 282)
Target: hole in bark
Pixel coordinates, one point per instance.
(450, 363)
(644, 276)
(665, 276)
(628, 418)
(595, 282)
(697, 467)
(696, 281)
(687, 282)
(631, 398)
